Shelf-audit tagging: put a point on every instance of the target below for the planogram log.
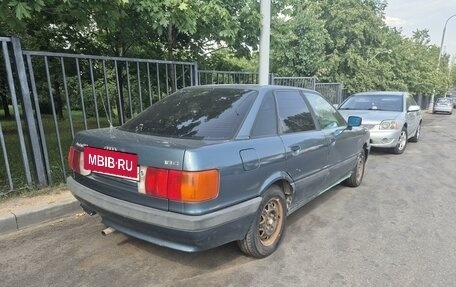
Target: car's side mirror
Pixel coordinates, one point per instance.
(354, 121)
(414, 108)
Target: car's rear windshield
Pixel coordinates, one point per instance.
(195, 113)
(392, 103)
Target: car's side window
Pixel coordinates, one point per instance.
(266, 120)
(327, 116)
(294, 114)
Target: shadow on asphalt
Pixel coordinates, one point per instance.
(225, 255)
(209, 260)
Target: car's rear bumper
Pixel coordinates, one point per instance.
(443, 109)
(178, 231)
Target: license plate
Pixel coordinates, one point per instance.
(120, 164)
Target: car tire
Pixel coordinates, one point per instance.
(417, 135)
(401, 143)
(358, 171)
(268, 227)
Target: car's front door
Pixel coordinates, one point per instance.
(343, 144)
(306, 148)
(412, 118)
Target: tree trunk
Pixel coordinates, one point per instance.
(171, 57)
(5, 105)
(58, 99)
(3, 93)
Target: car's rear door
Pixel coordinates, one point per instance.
(306, 148)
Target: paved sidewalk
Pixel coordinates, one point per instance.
(21, 212)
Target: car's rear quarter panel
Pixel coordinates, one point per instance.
(239, 181)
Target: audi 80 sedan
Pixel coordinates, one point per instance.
(213, 164)
(393, 118)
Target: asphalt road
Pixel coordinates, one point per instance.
(397, 229)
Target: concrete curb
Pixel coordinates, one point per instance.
(19, 219)
(7, 222)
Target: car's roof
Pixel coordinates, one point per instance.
(380, 93)
(250, 87)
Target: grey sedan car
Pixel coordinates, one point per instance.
(443, 105)
(214, 164)
(393, 118)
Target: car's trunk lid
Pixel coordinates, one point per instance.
(150, 151)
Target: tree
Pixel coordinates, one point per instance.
(298, 39)
(452, 76)
(338, 41)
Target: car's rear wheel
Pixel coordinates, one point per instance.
(401, 143)
(268, 227)
(358, 172)
(417, 135)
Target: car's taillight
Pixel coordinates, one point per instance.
(76, 161)
(186, 186)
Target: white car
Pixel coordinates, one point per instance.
(443, 105)
(393, 118)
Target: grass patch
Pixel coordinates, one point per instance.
(32, 192)
(57, 153)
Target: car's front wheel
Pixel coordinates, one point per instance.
(268, 226)
(417, 135)
(401, 143)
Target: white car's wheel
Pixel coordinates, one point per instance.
(402, 142)
(417, 135)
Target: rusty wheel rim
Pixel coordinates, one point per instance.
(360, 168)
(271, 220)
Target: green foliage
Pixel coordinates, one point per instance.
(347, 41)
(338, 41)
(20, 9)
(452, 77)
(225, 60)
(298, 28)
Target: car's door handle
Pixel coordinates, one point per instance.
(295, 149)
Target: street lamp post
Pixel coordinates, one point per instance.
(265, 10)
(431, 104)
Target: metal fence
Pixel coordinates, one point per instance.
(48, 97)
(206, 77)
(330, 91)
(301, 82)
(423, 101)
(61, 94)
(16, 144)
